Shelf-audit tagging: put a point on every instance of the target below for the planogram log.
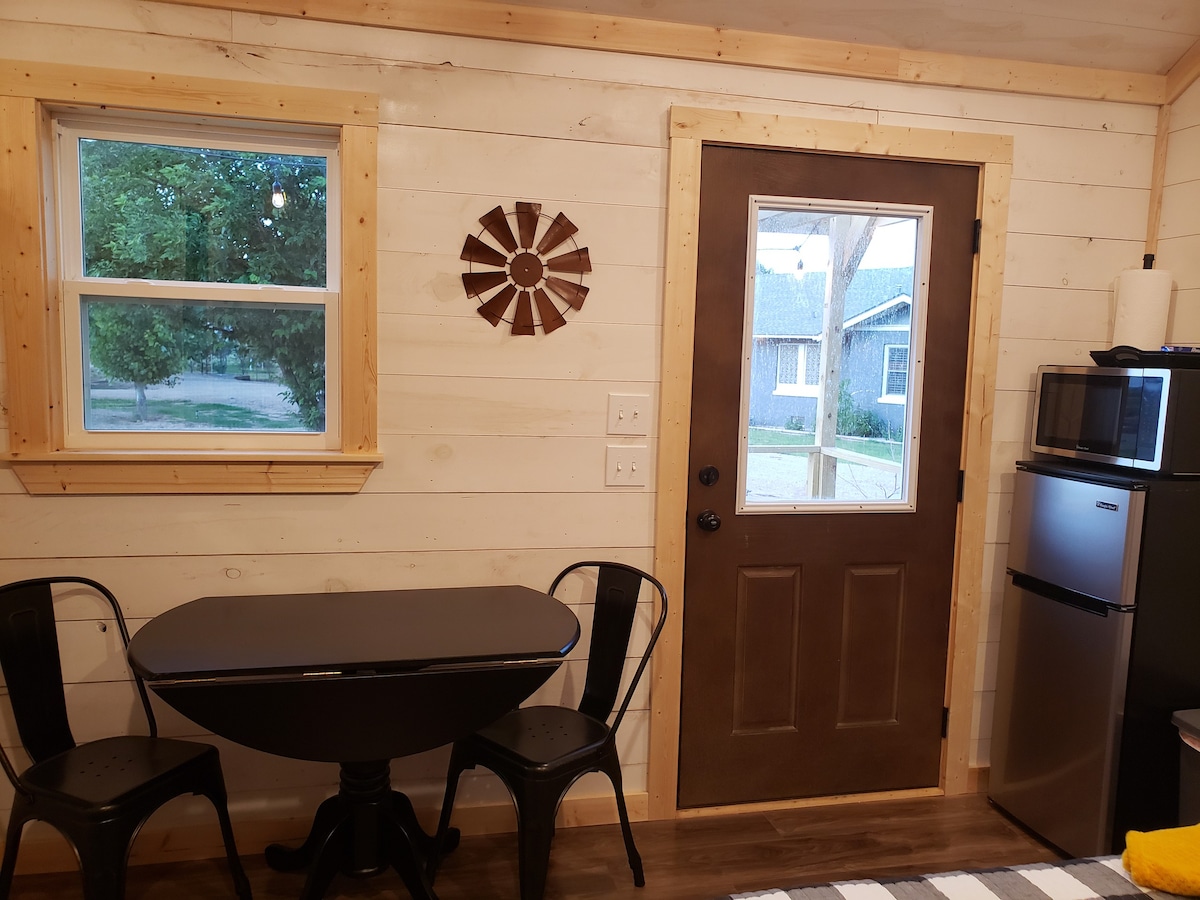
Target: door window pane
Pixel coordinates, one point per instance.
(833, 323)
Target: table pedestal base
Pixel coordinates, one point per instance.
(361, 831)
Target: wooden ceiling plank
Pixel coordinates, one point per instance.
(504, 21)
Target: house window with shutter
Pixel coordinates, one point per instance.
(895, 372)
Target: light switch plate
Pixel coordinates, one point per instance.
(626, 465)
(628, 413)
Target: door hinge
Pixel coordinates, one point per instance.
(978, 236)
(962, 476)
(945, 721)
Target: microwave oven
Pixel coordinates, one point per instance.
(1145, 419)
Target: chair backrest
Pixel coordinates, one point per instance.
(617, 590)
(29, 656)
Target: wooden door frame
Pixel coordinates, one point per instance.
(690, 129)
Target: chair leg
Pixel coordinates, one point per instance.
(12, 843)
(103, 857)
(241, 884)
(443, 840)
(612, 768)
(537, 804)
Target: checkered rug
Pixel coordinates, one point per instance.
(1100, 878)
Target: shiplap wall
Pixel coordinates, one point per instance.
(495, 445)
(1179, 234)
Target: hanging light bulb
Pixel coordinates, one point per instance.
(278, 197)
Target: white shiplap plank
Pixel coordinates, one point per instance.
(430, 284)
(1180, 204)
(1043, 312)
(1020, 357)
(1060, 154)
(498, 405)
(1034, 260)
(461, 463)
(431, 159)
(473, 347)
(1065, 210)
(1183, 155)
(149, 585)
(1185, 317)
(361, 523)
(1010, 416)
(1182, 256)
(426, 221)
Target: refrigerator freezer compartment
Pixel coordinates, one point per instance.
(1083, 536)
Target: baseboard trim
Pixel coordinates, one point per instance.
(44, 850)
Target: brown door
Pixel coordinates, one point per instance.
(822, 521)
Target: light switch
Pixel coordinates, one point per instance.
(628, 413)
(626, 465)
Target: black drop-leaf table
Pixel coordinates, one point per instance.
(358, 678)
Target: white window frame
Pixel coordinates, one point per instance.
(912, 413)
(885, 396)
(75, 286)
(801, 387)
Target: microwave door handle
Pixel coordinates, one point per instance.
(1060, 594)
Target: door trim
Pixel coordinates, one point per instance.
(690, 129)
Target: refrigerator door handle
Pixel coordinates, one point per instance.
(1060, 594)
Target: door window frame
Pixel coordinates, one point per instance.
(906, 502)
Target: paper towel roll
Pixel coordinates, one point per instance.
(1143, 302)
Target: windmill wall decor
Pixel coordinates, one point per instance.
(523, 270)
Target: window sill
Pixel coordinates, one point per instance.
(194, 473)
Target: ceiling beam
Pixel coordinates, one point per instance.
(512, 22)
(1182, 75)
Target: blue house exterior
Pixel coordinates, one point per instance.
(788, 312)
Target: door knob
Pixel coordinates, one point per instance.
(708, 520)
(708, 475)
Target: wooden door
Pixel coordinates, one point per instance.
(815, 626)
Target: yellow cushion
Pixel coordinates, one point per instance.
(1165, 860)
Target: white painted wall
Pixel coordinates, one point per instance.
(494, 445)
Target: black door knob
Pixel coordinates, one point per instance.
(708, 475)
(708, 520)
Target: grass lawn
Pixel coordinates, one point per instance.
(782, 437)
(185, 413)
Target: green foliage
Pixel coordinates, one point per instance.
(794, 423)
(853, 420)
(185, 214)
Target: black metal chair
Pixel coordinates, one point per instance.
(540, 751)
(99, 793)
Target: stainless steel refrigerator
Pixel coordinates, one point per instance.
(1100, 643)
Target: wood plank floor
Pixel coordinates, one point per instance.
(688, 859)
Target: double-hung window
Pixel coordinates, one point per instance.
(188, 284)
(199, 285)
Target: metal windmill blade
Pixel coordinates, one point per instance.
(496, 224)
(573, 293)
(527, 221)
(478, 283)
(476, 251)
(523, 320)
(547, 311)
(495, 308)
(575, 261)
(560, 229)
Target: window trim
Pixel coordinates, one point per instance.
(29, 94)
